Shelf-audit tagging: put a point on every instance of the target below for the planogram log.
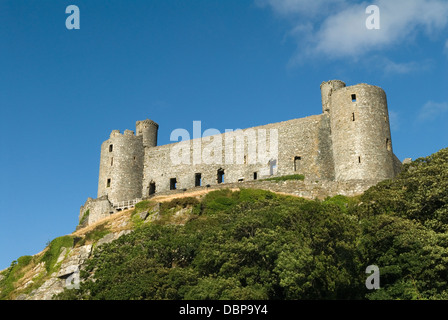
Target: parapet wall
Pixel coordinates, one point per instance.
(94, 210)
(303, 145)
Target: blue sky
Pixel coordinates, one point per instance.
(228, 63)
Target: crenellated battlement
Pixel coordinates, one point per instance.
(147, 122)
(117, 133)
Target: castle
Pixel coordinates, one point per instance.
(349, 142)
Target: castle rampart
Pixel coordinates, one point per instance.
(300, 151)
(347, 148)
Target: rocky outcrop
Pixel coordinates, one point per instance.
(36, 283)
(74, 261)
(111, 237)
(71, 261)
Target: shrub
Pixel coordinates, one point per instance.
(252, 195)
(143, 206)
(12, 275)
(179, 202)
(285, 178)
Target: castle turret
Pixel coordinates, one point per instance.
(148, 129)
(326, 89)
(362, 145)
(121, 167)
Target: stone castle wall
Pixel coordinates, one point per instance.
(94, 210)
(148, 130)
(121, 167)
(302, 149)
(362, 145)
(347, 148)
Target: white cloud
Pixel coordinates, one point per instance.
(432, 110)
(343, 33)
(391, 67)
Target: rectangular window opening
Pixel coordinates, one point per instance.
(353, 116)
(152, 188)
(111, 161)
(173, 184)
(359, 159)
(220, 175)
(255, 175)
(297, 160)
(388, 145)
(272, 166)
(197, 180)
(353, 97)
(108, 183)
(111, 148)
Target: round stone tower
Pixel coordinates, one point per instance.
(121, 167)
(362, 145)
(326, 89)
(148, 129)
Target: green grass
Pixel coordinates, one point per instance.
(137, 221)
(143, 206)
(285, 178)
(140, 207)
(94, 235)
(54, 250)
(85, 216)
(12, 275)
(180, 203)
(24, 261)
(168, 209)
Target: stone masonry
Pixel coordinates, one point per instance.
(344, 150)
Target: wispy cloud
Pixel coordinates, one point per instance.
(338, 29)
(432, 110)
(390, 67)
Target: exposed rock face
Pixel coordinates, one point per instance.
(112, 236)
(71, 261)
(143, 215)
(75, 259)
(51, 287)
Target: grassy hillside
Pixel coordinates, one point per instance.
(254, 244)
